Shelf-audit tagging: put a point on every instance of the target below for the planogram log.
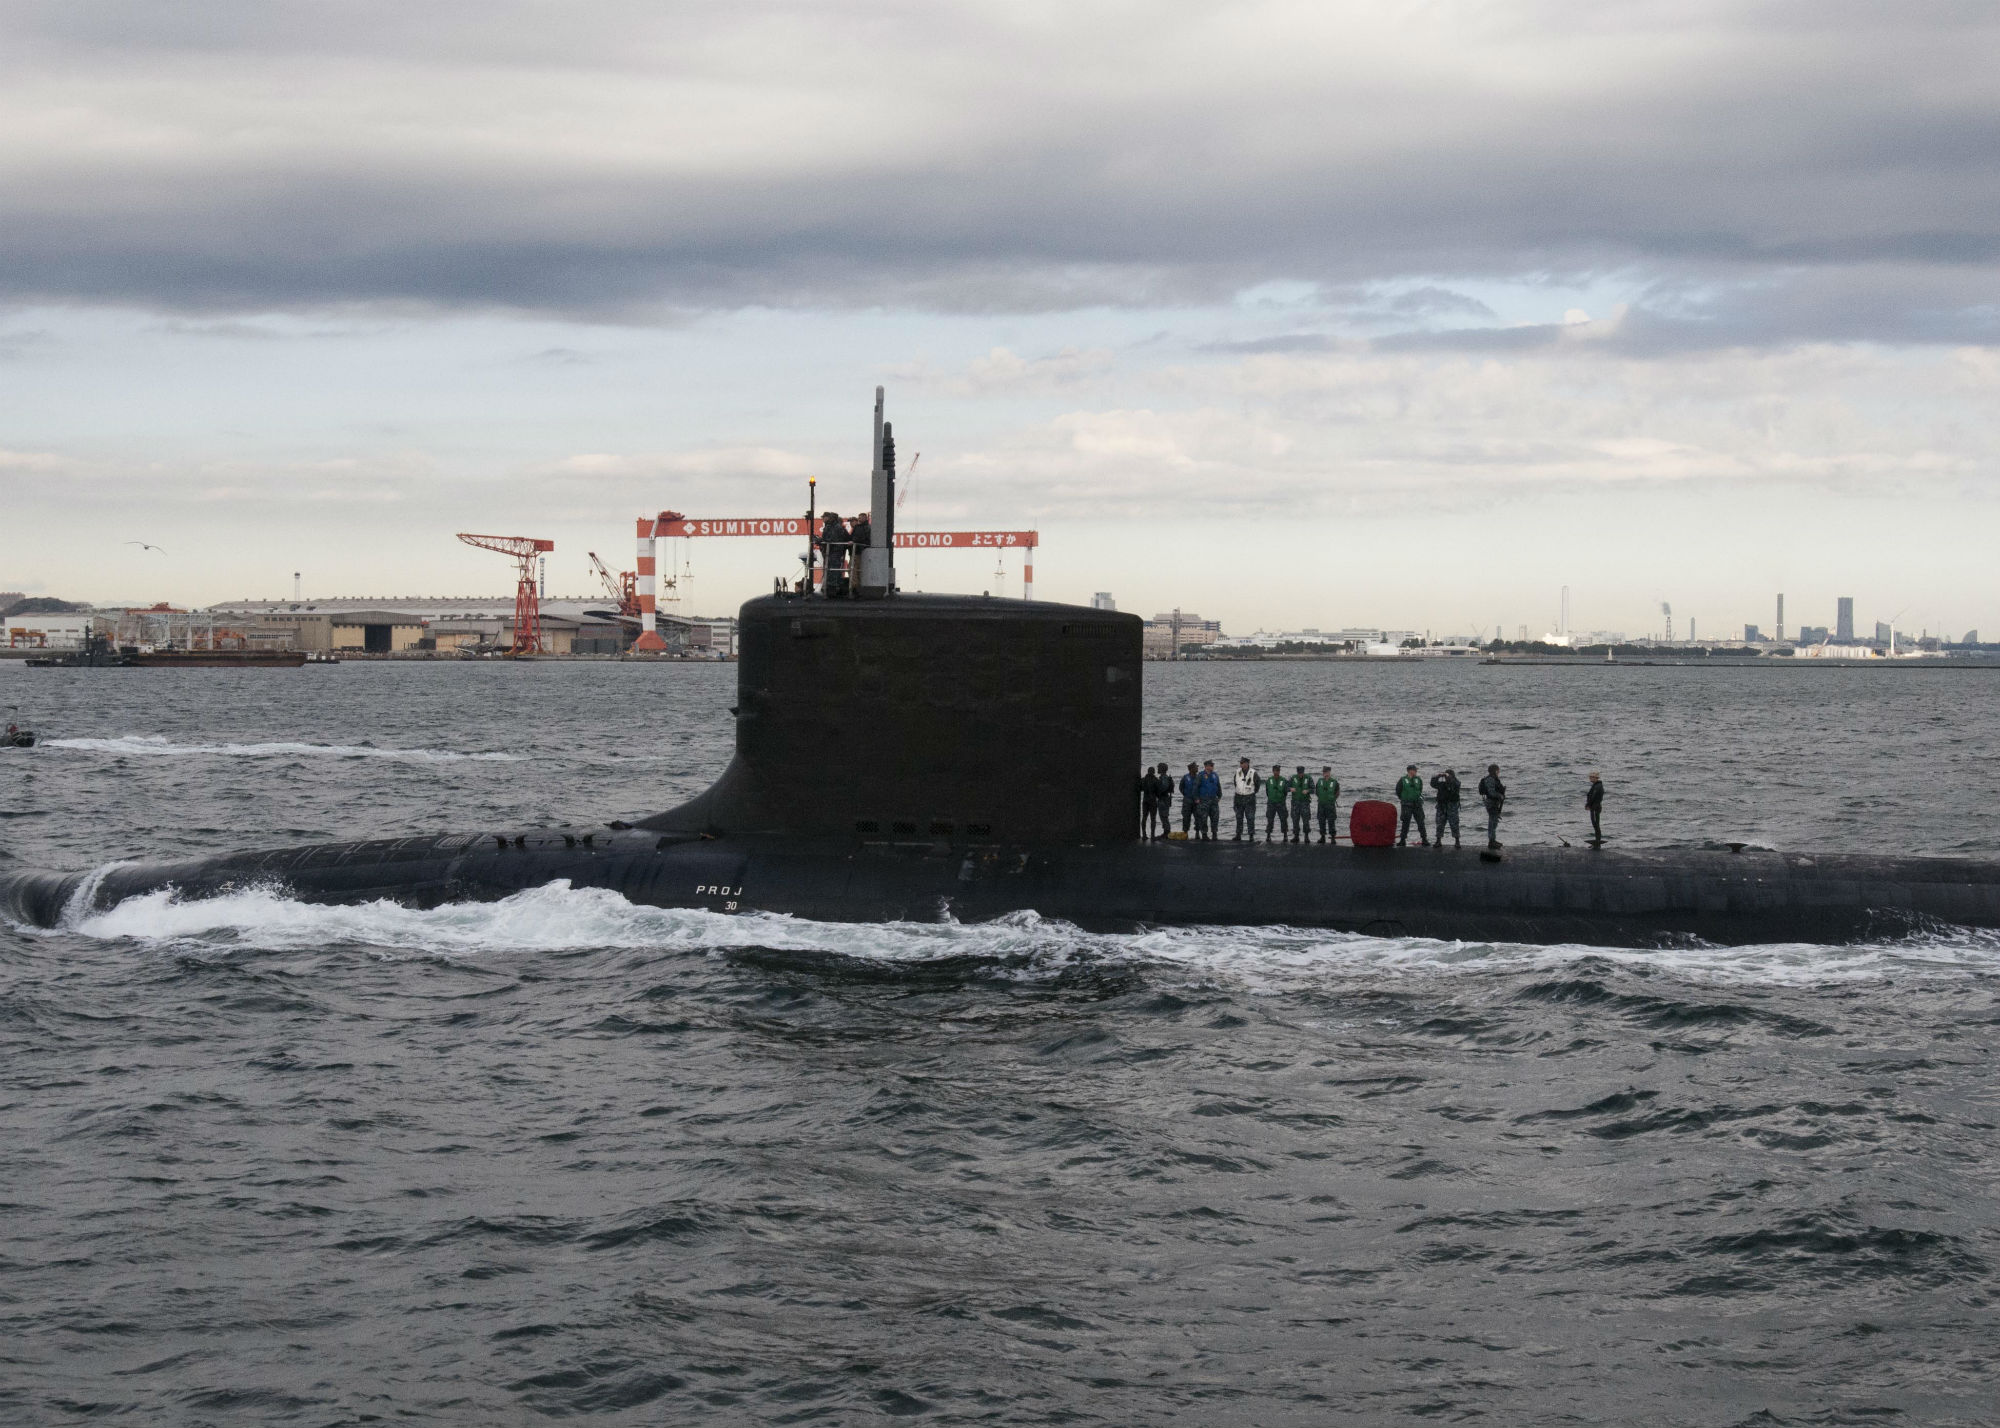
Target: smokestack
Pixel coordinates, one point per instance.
(1781, 615)
(295, 587)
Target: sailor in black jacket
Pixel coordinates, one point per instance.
(1446, 785)
(1493, 794)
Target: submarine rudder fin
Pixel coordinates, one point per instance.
(37, 899)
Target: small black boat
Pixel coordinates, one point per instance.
(97, 653)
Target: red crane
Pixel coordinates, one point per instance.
(624, 589)
(527, 604)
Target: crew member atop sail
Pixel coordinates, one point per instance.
(834, 540)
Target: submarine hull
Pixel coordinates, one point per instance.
(1603, 898)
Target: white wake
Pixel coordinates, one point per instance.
(153, 744)
(560, 918)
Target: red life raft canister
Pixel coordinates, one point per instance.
(1371, 823)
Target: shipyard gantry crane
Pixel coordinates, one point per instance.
(624, 587)
(527, 602)
(672, 525)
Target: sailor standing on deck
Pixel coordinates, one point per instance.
(1190, 797)
(1410, 793)
(1328, 792)
(1302, 806)
(1276, 787)
(1246, 783)
(1593, 800)
(1210, 790)
(1493, 794)
(1446, 785)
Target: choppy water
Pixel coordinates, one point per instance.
(563, 1157)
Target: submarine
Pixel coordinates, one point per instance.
(970, 757)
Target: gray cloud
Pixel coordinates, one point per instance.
(1526, 338)
(25, 342)
(1771, 171)
(1888, 303)
(1283, 342)
(1435, 302)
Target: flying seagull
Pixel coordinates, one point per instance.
(143, 544)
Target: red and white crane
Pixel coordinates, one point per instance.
(646, 585)
(527, 601)
(671, 525)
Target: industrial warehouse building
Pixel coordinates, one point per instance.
(47, 632)
(466, 627)
(560, 635)
(375, 632)
(351, 631)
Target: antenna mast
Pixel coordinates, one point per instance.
(877, 572)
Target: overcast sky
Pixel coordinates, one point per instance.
(1290, 314)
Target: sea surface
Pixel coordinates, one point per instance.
(565, 1158)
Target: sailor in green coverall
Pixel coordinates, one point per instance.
(1276, 788)
(1328, 792)
(1302, 806)
(1410, 793)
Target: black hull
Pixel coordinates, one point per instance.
(1620, 899)
(219, 659)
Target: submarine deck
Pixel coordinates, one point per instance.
(1626, 897)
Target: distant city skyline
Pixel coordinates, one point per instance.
(1841, 627)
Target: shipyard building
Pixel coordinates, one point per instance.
(361, 627)
(1178, 632)
(424, 625)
